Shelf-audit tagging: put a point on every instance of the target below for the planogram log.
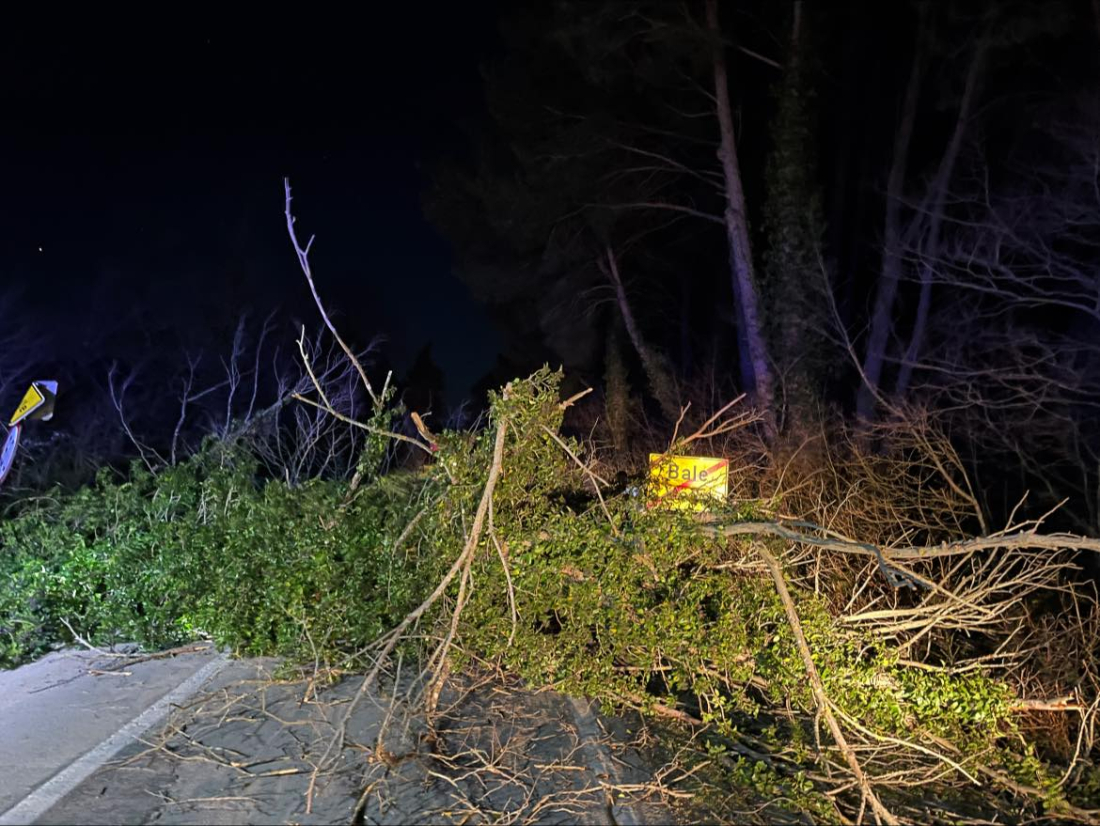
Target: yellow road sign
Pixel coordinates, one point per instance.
(31, 402)
(687, 481)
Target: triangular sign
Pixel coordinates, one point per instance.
(32, 400)
(48, 389)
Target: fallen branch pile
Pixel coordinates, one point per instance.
(758, 627)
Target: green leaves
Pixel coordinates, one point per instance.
(203, 550)
(629, 607)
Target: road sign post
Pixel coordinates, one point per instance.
(7, 453)
(37, 405)
(32, 400)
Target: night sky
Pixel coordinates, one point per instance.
(144, 165)
(141, 202)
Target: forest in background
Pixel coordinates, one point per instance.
(893, 210)
(878, 210)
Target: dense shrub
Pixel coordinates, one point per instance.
(204, 549)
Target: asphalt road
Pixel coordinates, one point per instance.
(194, 738)
(64, 716)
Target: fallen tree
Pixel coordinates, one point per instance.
(832, 636)
(654, 608)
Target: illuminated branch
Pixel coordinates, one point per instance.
(303, 261)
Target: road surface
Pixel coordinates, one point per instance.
(196, 738)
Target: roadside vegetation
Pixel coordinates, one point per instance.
(844, 638)
(751, 623)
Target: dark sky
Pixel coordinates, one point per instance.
(146, 160)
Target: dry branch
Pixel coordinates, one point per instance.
(460, 565)
(1017, 540)
(303, 261)
(882, 814)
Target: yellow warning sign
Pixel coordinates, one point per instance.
(687, 481)
(31, 402)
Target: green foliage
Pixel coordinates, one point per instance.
(625, 604)
(639, 606)
(376, 447)
(202, 549)
(795, 794)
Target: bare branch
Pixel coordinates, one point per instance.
(303, 261)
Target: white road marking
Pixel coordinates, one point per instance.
(34, 805)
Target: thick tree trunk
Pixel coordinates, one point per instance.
(792, 287)
(930, 249)
(737, 229)
(882, 317)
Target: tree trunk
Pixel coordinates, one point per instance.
(792, 287)
(656, 371)
(737, 229)
(882, 317)
(616, 392)
(930, 249)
